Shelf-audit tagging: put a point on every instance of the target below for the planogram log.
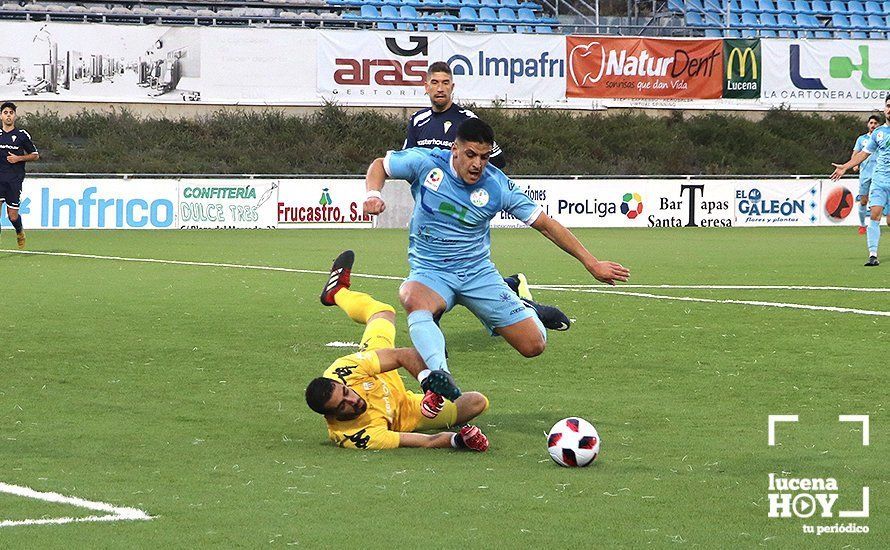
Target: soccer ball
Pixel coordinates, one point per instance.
(573, 442)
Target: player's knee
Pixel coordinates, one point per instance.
(472, 404)
(533, 347)
(12, 214)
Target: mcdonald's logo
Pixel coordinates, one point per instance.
(743, 56)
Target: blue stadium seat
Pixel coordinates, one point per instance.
(524, 29)
(534, 6)
(887, 9)
(840, 21)
(491, 3)
(875, 23)
(820, 7)
(445, 27)
(484, 28)
(855, 6)
(769, 20)
(873, 8)
(860, 26)
(409, 13)
(369, 12)
(694, 19)
(750, 24)
(838, 7)
(695, 5)
(802, 6)
(426, 27)
(469, 15)
(487, 15)
(543, 29)
(785, 6)
(712, 6)
(767, 6)
(713, 33)
(749, 6)
(676, 6)
(451, 3)
(525, 15)
(471, 4)
(503, 28)
(431, 3)
(510, 4)
(507, 15)
(734, 20)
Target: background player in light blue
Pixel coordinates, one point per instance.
(457, 193)
(878, 145)
(865, 170)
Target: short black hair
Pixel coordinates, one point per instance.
(438, 67)
(876, 118)
(318, 393)
(7, 104)
(475, 130)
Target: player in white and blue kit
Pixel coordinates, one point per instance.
(456, 194)
(865, 170)
(878, 146)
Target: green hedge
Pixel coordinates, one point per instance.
(333, 141)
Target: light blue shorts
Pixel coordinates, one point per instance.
(481, 290)
(864, 186)
(880, 196)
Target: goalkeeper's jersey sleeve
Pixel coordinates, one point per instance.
(385, 394)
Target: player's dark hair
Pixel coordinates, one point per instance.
(876, 118)
(8, 104)
(318, 392)
(438, 67)
(475, 130)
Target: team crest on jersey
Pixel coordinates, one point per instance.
(479, 197)
(447, 125)
(368, 386)
(13, 138)
(880, 135)
(433, 179)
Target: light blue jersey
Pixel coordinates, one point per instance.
(450, 225)
(878, 147)
(868, 165)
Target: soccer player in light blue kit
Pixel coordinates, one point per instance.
(878, 145)
(456, 194)
(865, 170)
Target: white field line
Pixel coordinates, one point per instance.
(566, 288)
(114, 513)
(721, 287)
(712, 301)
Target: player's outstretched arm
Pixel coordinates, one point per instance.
(374, 181)
(469, 438)
(603, 271)
(840, 169)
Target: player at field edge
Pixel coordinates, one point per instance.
(436, 127)
(865, 170)
(878, 144)
(456, 194)
(362, 397)
(19, 150)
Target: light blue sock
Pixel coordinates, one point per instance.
(872, 236)
(428, 339)
(541, 327)
(863, 211)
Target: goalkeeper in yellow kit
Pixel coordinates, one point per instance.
(362, 396)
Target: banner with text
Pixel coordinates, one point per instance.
(222, 204)
(603, 67)
(826, 74)
(318, 203)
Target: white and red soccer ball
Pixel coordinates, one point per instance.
(573, 442)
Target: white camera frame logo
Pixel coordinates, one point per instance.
(803, 498)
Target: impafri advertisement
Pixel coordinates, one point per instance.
(826, 74)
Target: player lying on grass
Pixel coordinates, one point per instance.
(362, 397)
(456, 195)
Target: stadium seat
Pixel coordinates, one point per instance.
(887, 8)
(749, 6)
(487, 15)
(856, 7)
(469, 15)
(369, 12)
(785, 6)
(713, 33)
(514, 4)
(524, 29)
(802, 6)
(873, 8)
(445, 27)
(860, 27)
(543, 29)
(820, 7)
(454, 4)
(694, 5)
(426, 27)
(506, 15)
(431, 4)
(491, 3)
(673, 5)
(712, 6)
(786, 21)
(837, 6)
(768, 20)
(409, 13)
(875, 23)
(694, 19)
(503, 28)
(840, 21)
(484, 28)
(767, 6)
(525, 15)
(471, 3)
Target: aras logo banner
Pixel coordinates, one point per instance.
(643, 68)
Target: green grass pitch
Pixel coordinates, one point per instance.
(178, 390)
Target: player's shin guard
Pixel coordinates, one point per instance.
(872, 236)
(863, 212)
(428, 339)
(359, 306)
